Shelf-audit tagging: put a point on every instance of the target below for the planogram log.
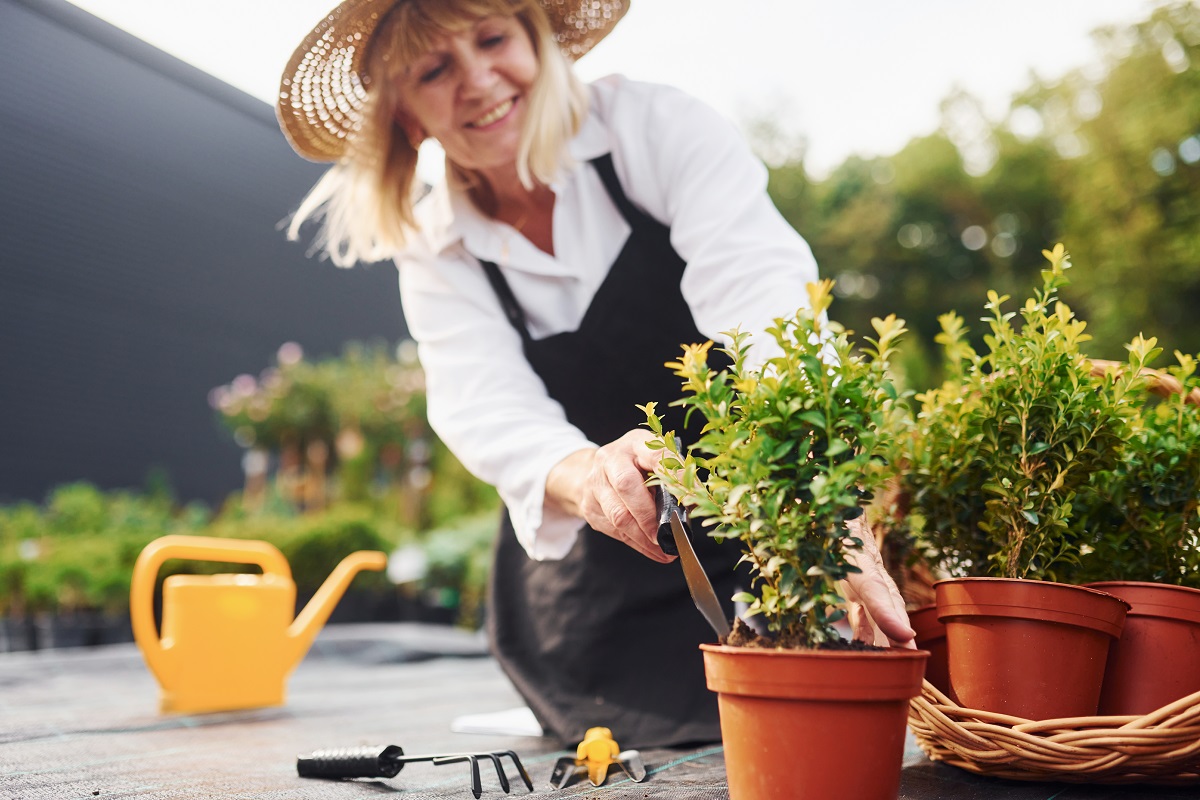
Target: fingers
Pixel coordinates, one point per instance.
(645, 459)
(875, 592)
(617, 501)
(862, 627)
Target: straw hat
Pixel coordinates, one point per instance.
(323, 89)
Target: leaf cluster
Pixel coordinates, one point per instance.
(1001, 450)
(1140, 521)
(790, 451)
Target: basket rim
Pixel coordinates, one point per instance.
(1162, 746)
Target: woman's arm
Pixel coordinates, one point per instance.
(485, 401)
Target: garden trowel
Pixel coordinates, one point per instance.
(674, 538)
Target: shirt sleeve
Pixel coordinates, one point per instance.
(688, 167)
(486, 403)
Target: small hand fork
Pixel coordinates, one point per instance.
(375, 762)
(597, 752)
(473, 758)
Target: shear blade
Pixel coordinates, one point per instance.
(631, 762)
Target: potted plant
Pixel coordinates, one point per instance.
(789, 455)
(1140, 523)
(995, 462)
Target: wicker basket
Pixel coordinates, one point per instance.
(1162, 747)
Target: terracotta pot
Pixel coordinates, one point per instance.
(931, 636)
(797, 723)
(1030, 649)
(1157, 659)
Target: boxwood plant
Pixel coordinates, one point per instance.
(1000, 451)
(790, 452)
(1140, 521)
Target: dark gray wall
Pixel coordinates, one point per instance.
(140, 259)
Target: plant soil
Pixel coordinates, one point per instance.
(743, 635)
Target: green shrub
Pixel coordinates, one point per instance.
(1141, 520)
(1000, 452)
(789, 454)
(317, 546)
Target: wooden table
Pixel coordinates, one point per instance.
(84, 723)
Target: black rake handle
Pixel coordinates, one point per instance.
(352, 762)
(386, 762)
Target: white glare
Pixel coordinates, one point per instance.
(974, 238)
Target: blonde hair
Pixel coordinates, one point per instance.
(365, 201)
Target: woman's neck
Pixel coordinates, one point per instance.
(529, 210)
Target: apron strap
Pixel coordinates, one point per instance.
(608, 176)
(632, 215)
(508, 301)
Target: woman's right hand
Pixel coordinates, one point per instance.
(606, 486)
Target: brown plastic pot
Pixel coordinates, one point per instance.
(1157, 659)
(1030, 649)
(931, 636)
(796, 723)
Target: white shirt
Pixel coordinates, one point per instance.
(677, 160)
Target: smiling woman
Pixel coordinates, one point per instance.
(471, 91)
(367, 87)
(579, 235)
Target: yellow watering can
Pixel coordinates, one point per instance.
(229, 641)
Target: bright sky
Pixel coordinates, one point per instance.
(850, 76)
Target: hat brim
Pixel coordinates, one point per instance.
(323, 89)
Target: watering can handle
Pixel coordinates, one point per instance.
(197, 548)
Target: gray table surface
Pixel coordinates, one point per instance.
(84, 723)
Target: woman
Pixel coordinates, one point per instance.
(581, 235)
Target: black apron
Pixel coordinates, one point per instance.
(607, 637)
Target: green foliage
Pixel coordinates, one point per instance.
(319, 544)
(290, 403)
(1141, 520)
(55, 561)
(1000, 451)
(368, 390)
(1107, 158)
(364, 417)
(367, 407)
(78, 550)
(1131, 189)
(454, 493)
(790, 452)
(459, 560)
(393, 481)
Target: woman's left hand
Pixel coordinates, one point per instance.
(876, 609)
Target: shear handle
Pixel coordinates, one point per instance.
(666, 505)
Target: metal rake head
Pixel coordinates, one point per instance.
(386, 762)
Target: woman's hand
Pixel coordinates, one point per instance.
(607, 488)
(876, 608)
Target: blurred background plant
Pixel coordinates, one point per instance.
(338, 457)
(1106, 159)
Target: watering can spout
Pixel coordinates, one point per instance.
(308, 622)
